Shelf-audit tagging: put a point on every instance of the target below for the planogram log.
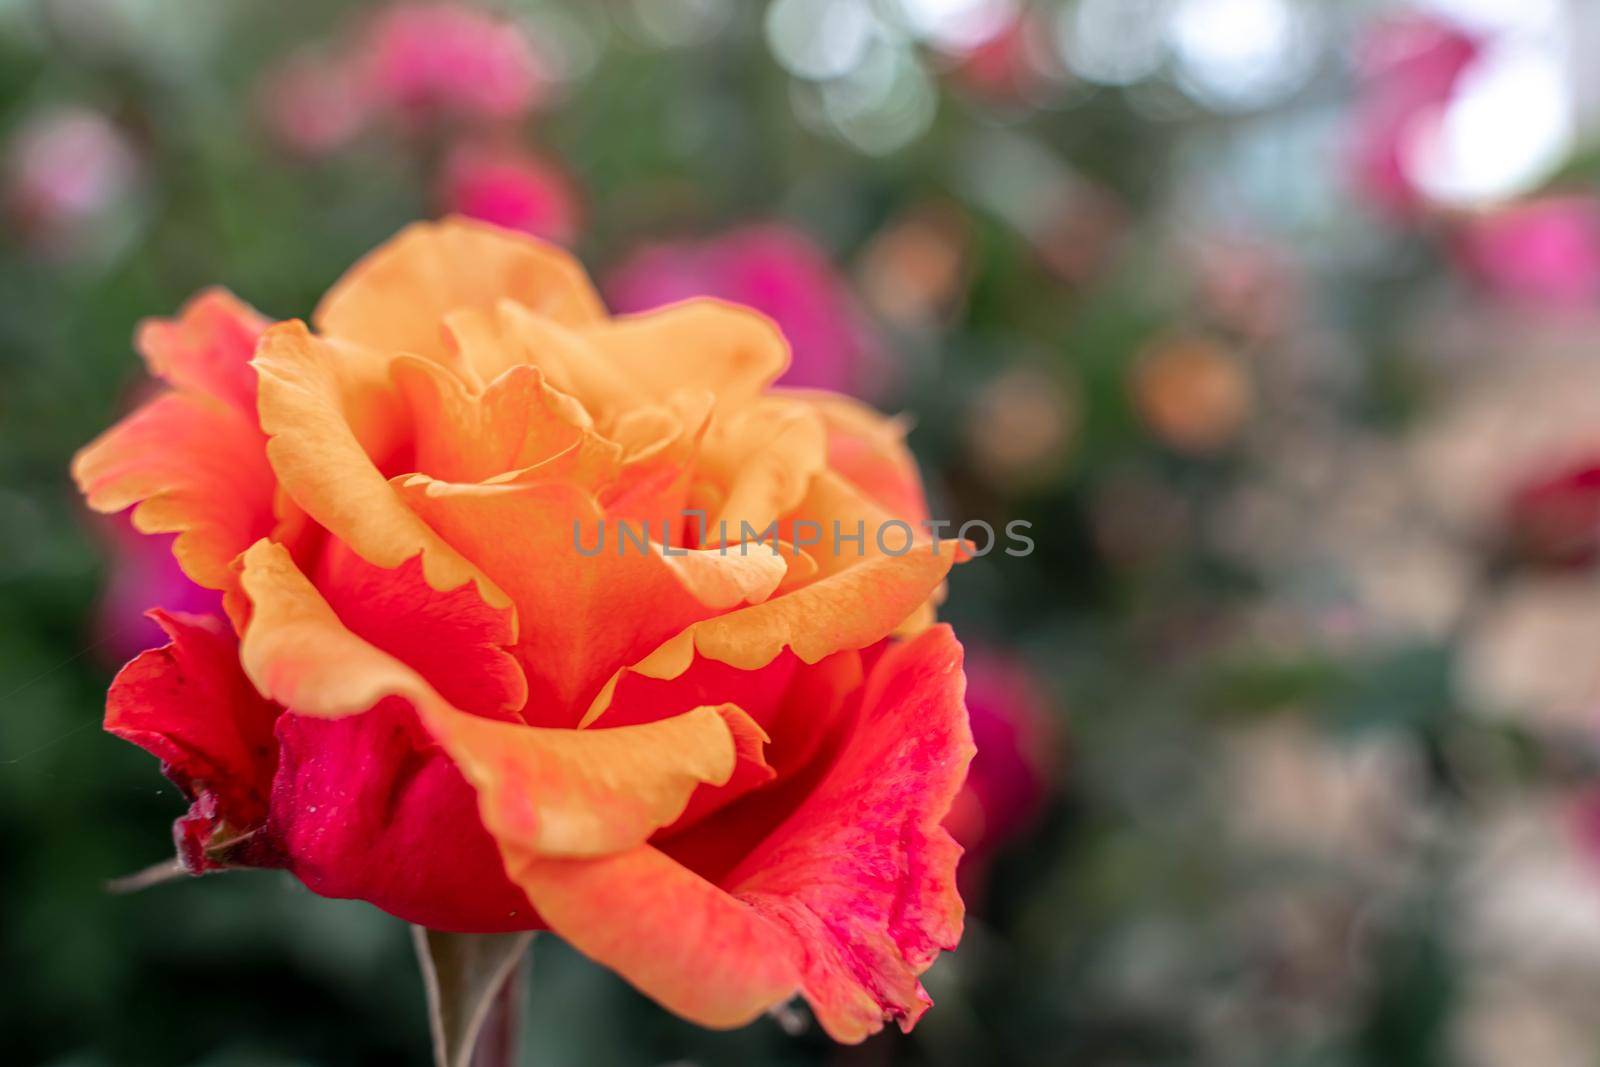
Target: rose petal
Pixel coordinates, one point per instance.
(207, 348)
(330, 409)
(680, 940)
(195, 466)
(848, 901)
(369, 807)
(575, 793)
(554, 791)
(764, 457)
(751, 771)
(462, 436)
(581, 613)
(398, 295)
(488, 341)
(869, 451)
(852, 608)
(189, 704)
(452, 638)
(729, 350)
(865, 867)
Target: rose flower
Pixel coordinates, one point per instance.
(714, 761)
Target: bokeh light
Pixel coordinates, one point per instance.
(1241, 54)
(1113, 42)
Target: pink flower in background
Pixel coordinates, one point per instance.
(427, 60)
(511, 188)
(1011, 66)
(1543, 252)
(64, 171)
(1009, 779)
(1408, 67)
(314, 104)
(144, 575)
(1584, 812)
(779, 271)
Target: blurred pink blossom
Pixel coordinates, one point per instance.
(64, 171)
(780, 272)
(1584, 810)
(1542, 252)
(1009, 780)
(143, 575)
(1408, 67)
(314, 104)
(512, 188)
(1012, 65)
(426, 60)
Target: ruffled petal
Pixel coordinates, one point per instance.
(847, 901)
(763, 457)
(487, 341)
(396, 298)
(190, 705)
(556, 792)
(869, 451)
(849, 609)
(466, 436)
(195, 466)
(795, 705)
(451, 637)
(683, 942)
(570, 793)
(334, 415)
(750, 772)
(207, 348)
(844, 527)
(729, 350)
(864, 874)
(589, 595)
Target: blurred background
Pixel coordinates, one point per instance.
(1278, 319)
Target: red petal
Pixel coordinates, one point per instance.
(452, 638)
(369, 807)
(849, 900)
(863, 873)
(190, 705)
(195, 466)
(207, 348)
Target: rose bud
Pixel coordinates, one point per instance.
(711, 760)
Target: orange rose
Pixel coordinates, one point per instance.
(716, 764)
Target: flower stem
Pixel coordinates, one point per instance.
(500, 1040)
